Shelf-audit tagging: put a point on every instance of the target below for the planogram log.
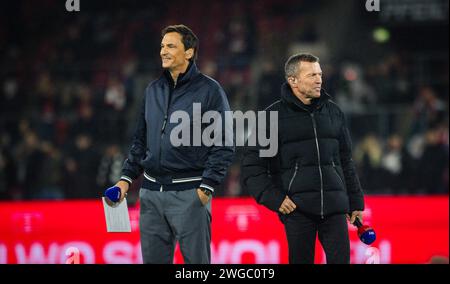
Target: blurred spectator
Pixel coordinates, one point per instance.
(11, 102)
(115, 94)
(85, 122)
(110, 167)
(29, 157)
(389, 77)
(210, 68)
(51, 173)
(8, 168)
(238, 40)
(397, 167)
(433, 164)
(115, 101)
(48, 105)
(367, 155)
(428, 110)
(269, 85)
(357, 95)
(81, 169)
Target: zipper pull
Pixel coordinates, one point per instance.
(164, 124)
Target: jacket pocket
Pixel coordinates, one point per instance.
(148, 161)
(294, 175)
(335, 170)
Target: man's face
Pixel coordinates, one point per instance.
(309, 79)
(173, 54)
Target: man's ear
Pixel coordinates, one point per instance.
(292, 81)
(189, 53)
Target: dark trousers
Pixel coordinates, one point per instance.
(301, 230)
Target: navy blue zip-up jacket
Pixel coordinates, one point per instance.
(151, 150)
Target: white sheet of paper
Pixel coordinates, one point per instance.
(117, 218)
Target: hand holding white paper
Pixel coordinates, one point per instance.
(117, 217)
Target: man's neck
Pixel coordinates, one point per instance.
(175, 73)
(303, 99)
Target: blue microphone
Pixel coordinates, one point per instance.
(113, 194)
(365, 233)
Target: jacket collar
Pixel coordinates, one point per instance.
(191, 72)
(288, 96)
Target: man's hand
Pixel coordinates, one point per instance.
(124, 186)
(287, 206)
(355, 214)
(203, 197)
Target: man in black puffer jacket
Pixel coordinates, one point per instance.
(311, 182)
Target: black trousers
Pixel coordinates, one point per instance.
(301, 230)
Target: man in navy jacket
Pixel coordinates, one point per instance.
(179, 180)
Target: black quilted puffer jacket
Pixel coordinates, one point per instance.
(313, 165)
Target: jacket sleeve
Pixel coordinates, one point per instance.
(219, 157)
(258, 176)
(354, 190)
(132, 168)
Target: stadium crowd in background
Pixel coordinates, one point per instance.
(69, 84)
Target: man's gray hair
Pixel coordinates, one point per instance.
(293, 63)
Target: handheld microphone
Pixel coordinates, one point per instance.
(113, 194)
(365, 233)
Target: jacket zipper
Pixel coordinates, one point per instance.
(163, 127)
(320, 167)
(162, 136)
(336, 172)
(293, 177)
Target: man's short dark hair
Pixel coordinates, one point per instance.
(293, 63)
(188, 37)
